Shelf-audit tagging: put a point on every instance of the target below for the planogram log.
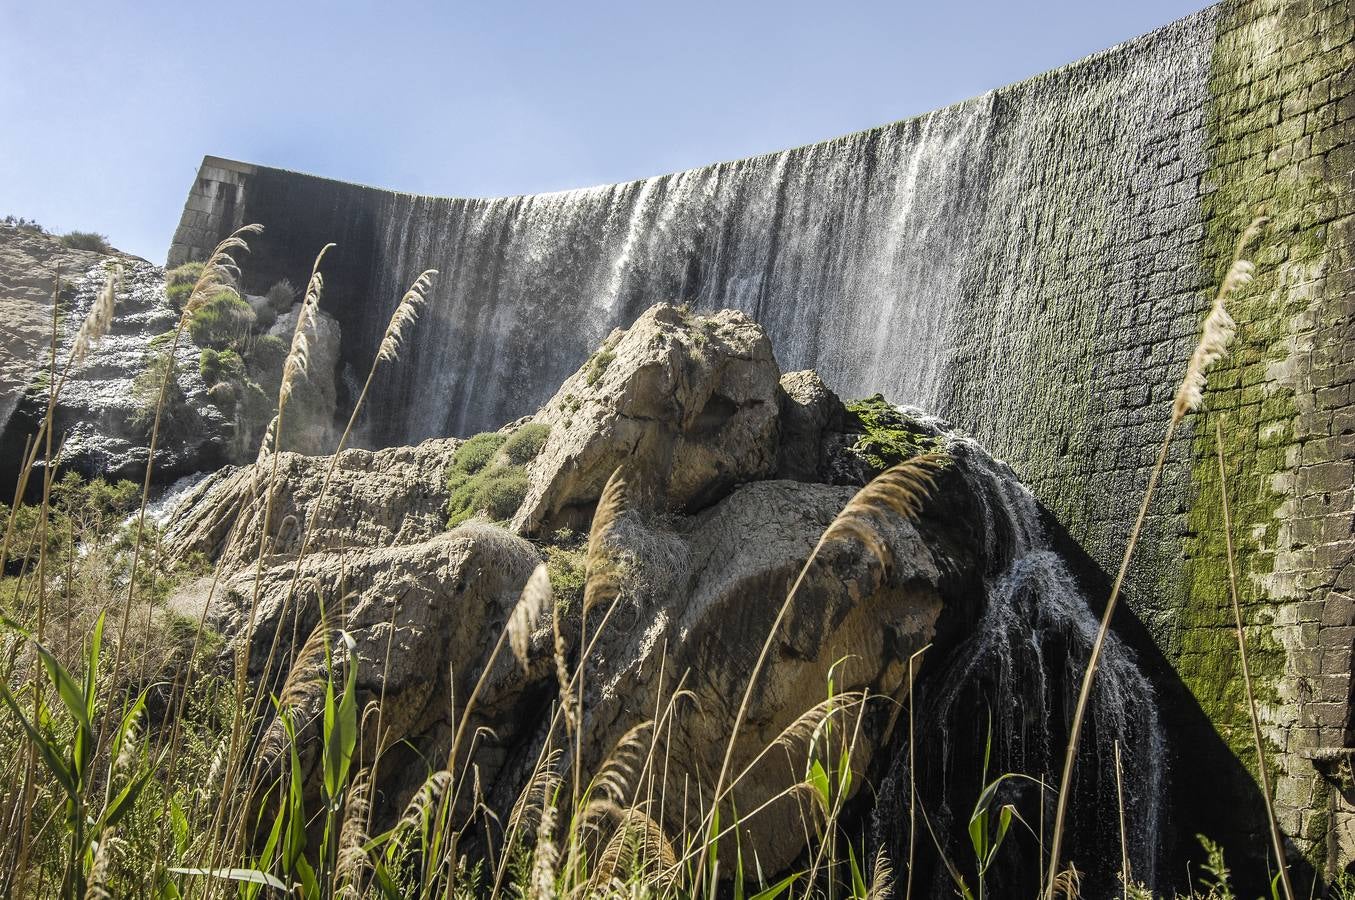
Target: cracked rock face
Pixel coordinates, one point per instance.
(97, 410)
(689, 401)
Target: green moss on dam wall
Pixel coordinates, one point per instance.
(1033, 264)
(1279, 132)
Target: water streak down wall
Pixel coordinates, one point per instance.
(1032, 264)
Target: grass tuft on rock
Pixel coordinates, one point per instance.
(488, 474)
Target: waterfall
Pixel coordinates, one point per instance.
(1014, 679)
(844, 251)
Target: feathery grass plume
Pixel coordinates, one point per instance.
(1219, 327)
(1067, 885)
(522, 622)
(127, 743)
(882, 881)
(535, 794)
(601, 584)
(219, 273)
(637, 847)
(297, 364)
(1217, 333)
(96, 885)
(614, 776)
(424, 799)
(99, 318)
(406, 311)
(352, 860)
(898, 493)
(1276, 836)
(804, 727)
(546, 855)
(308, 669)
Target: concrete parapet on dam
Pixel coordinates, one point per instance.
(1033, 265)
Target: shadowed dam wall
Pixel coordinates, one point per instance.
(1032, 264)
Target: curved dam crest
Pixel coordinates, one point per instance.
(1033, 265)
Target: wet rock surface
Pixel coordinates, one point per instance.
(102, 420)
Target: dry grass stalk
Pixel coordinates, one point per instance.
(1216, 334)
(96, 886)
(352, 861)
(536, 596)
(897, 493)
(98, 320)
(1125, 876)
(882, 881)
(546, 855)
(1067, 885)
(218, 274)
(1276, 836)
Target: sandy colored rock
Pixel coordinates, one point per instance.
(688, 400)
(375, 499)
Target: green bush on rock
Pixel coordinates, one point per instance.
(488, 473)
(179, 283)
(222, 320)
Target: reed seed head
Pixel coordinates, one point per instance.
(1219, 327)
(406, 313)
(536, 595)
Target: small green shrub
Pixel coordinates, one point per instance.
(222, 395)
(87, 240)
(220, 365)
(526, 442)
(29, 225)
(175, 414)
(264, 316)
(266, 355)
(566, 564)
(597, 365)
(281, 296)
(487, 473)
(496, 491)
(222, 320)
(179, 282)
(473, 455)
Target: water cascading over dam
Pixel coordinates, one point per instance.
(1031, 264)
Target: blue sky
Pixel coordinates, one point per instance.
(108, 107)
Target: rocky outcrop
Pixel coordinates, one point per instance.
(690, 401)
(106, 404)
(728, 464)
(102, 416)
(375, 499)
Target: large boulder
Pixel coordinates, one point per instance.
(697, 601)
(690, 401)
(375, 499)
(728, 464)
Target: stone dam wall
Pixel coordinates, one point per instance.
(1032, 264)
